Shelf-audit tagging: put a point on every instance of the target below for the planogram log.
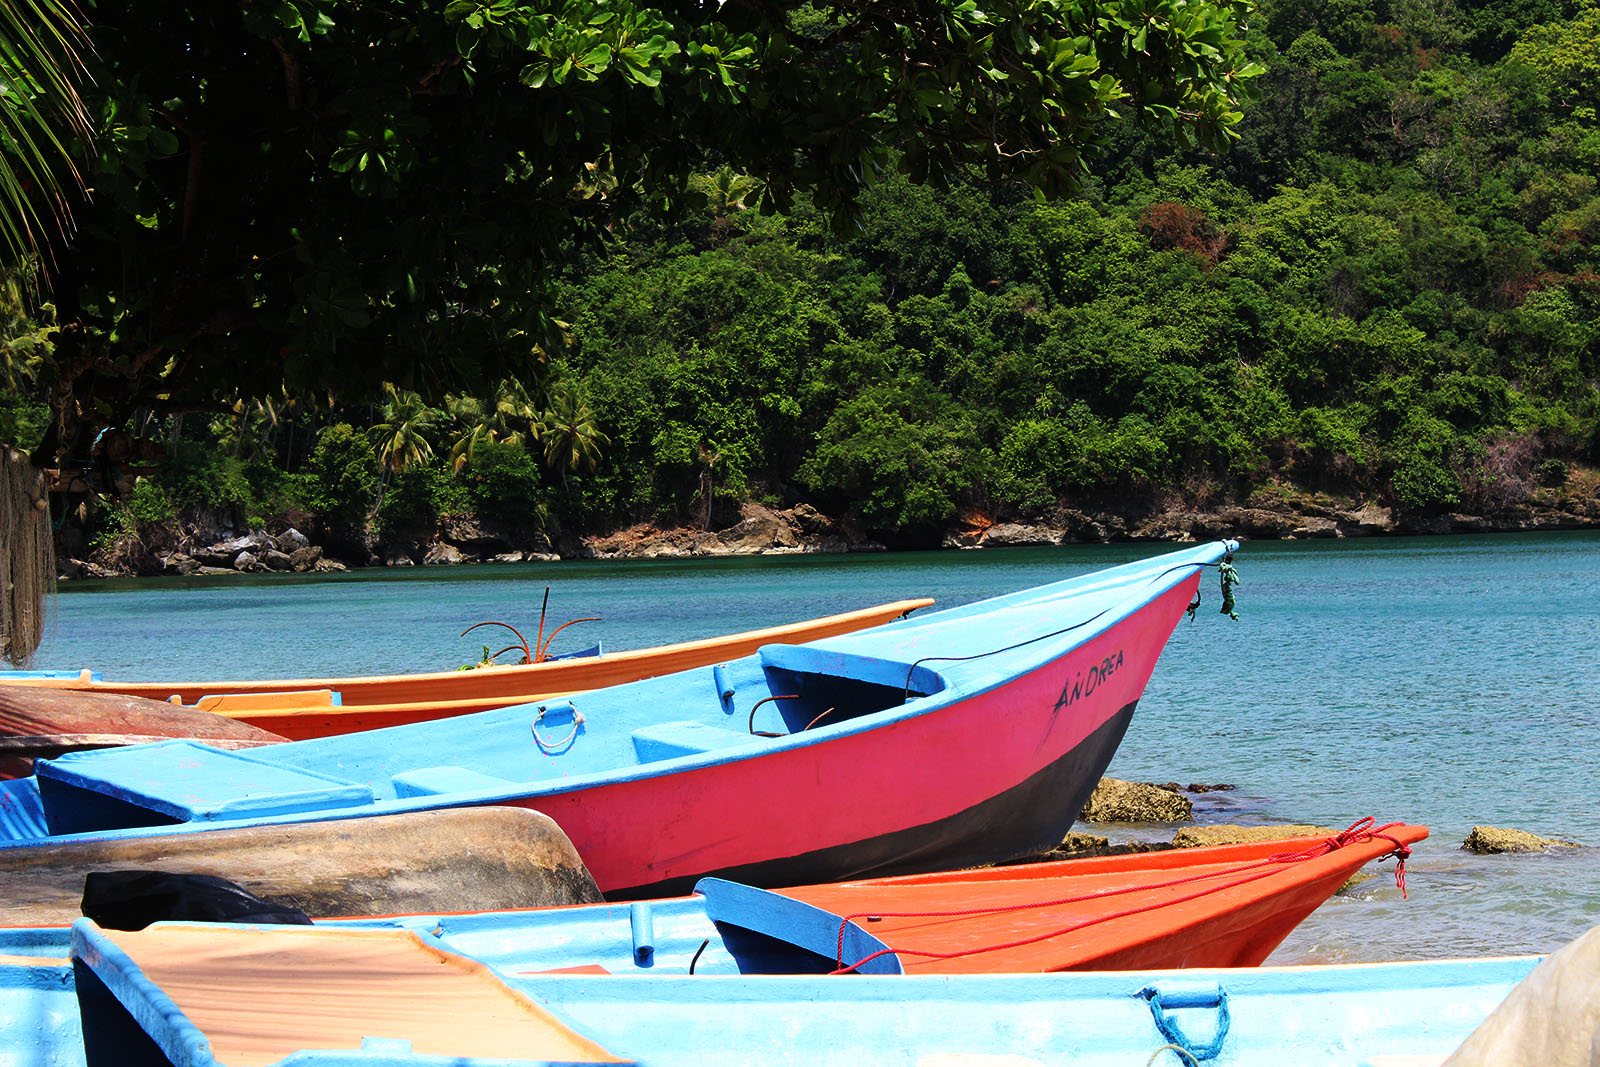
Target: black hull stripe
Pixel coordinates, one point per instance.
(1030, 817)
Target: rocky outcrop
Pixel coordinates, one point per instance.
(443, 552)
(207, 542)
(1078, 842)
(304, 558)
(1269, 515)
(292, 541)
(277, 561)
(1114, 800)
(760, 530)
(1226, 834)
(247, 563)
(1494, 839)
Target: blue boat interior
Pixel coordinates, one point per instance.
(781, 695)
(1358, 1016)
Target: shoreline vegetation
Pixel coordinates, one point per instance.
(209, 545)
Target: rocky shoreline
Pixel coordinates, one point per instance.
(212, 545)
(1148, 804)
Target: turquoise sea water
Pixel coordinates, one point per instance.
(1446, 681)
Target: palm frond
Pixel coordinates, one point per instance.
(41, 43)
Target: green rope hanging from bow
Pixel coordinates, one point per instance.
(1229, 577)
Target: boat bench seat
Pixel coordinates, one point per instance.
(668, 740)
(204, 996)
(180, 781)
(432, 781)
(288, 700)
(810, 660)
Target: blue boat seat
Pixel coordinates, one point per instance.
(850, 667)
(668, 740)
(180, 781)
(433, 781)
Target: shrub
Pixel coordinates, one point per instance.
(503, 482)
(344, 477)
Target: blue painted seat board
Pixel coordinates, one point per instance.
(188, 782)
(739, 910)
(440, 781)
(21, 810)
(669, 740)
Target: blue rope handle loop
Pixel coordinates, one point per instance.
(1159, 1004)
(550, 746)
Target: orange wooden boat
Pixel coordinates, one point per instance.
(1215, 906)
(320, 707)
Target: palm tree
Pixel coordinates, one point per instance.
(567, 429)
(40, 43)
(510, 417)
(398, 440)
(710, 456)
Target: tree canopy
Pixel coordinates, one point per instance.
(333, 195)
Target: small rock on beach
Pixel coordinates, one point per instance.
(1114, 800)
(1226, 834)
(1487, 840)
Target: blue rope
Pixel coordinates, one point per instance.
(1160, 1002)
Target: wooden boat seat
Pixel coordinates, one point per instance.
(198, 995)
(289, 700)
(193, 783)
(668, 740)
(434, 781)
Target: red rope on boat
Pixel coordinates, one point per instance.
(1360, 831)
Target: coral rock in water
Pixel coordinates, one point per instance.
(1114, 800)
(1491, 839)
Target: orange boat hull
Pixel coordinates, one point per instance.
(1220, 906)
(304, 707)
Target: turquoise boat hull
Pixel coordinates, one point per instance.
(1350, 1015)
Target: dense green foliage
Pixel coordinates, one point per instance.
(1388, 291)
(327, 195)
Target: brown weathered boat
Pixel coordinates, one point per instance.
(430, 861)
(319, 707)
(39, 723)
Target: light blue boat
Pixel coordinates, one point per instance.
(957, 738)
(1351, 1015)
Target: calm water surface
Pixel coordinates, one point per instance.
(1446, 681)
